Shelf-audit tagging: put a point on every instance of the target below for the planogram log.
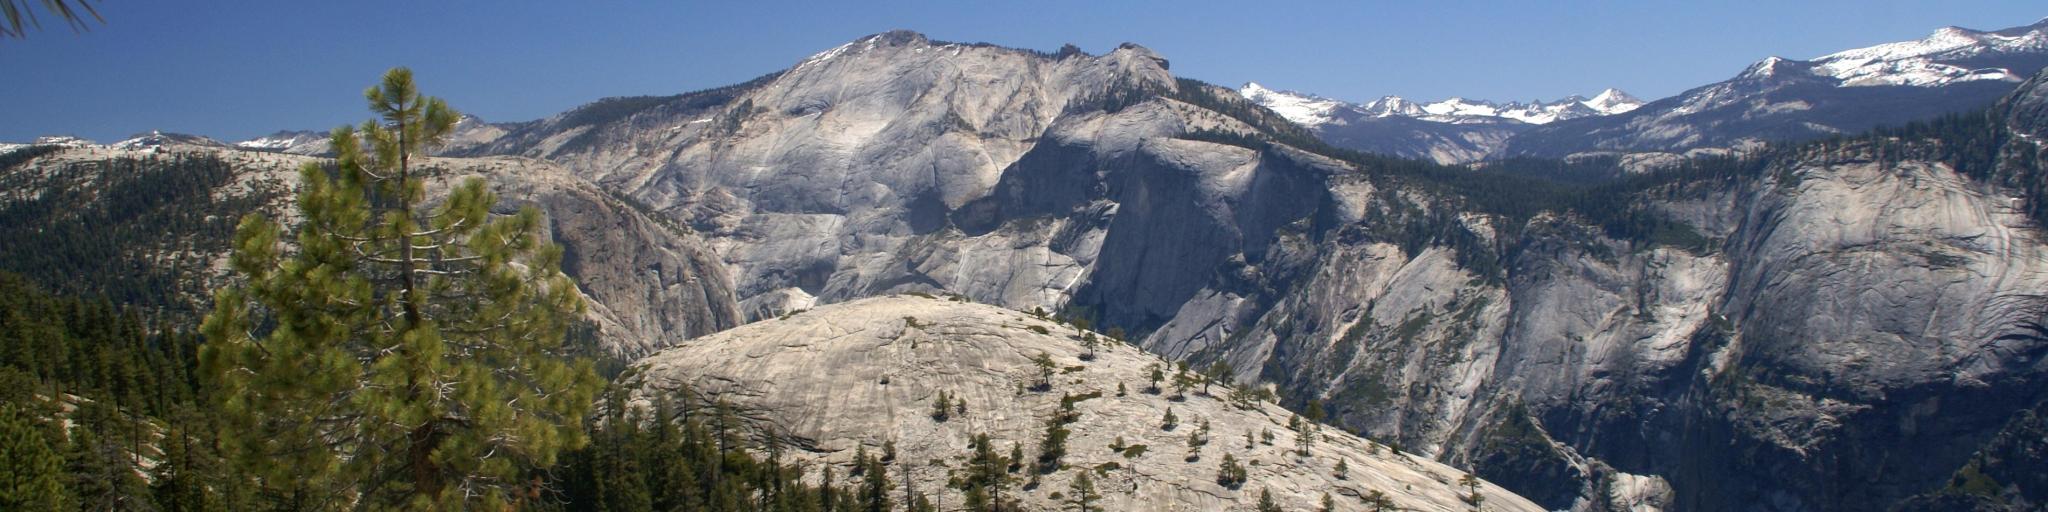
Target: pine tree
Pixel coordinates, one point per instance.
(31, 471)
(1230, 473)
(1305, 433)
(1154, 375)
(408, 357)
(1329, 505)
(1216, 372)
(987, 474)
(189, 476)
(622, 485)
(1170, 421)
(1266, 503)
(1081, 494)
(829, 500)
(1379, 501)
(104, 475)
(874, 487)
(1088, 341)
(1045, 367)
(1343, 468)
(1053, 446)
(1471, 484)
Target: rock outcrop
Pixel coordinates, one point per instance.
(865, 373)
(649, 282)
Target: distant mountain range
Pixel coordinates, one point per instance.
(1952, 70)
(1455, 130)
(1777, 99)
(1316, 111)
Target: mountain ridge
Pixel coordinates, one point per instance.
(1950, 71)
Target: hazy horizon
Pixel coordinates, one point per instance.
(238, 73)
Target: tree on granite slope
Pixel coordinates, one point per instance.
(1081, 495)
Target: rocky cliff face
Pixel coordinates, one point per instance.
(1791, 325)
(1863, 318)
(836, 179)
(865, 373)
(648, 281)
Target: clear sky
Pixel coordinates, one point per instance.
(234, 69)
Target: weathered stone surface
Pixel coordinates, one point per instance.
(865, 372)
(649, 282)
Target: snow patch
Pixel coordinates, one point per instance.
(1928, 62)
(1314, 111)
(1303, 109)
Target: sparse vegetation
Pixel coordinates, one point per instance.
(1219, 371)
(1081, 495)
(1471, 485)
(1378, 501)
(1043, 361)
(1230, 473)
(1266, 503)
(942, 407)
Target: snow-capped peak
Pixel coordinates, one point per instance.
(159, 138)
(1933, 60)
(62, 140)
(1311, 110)
(284, 140)
(1612, 101)
(1303, 109)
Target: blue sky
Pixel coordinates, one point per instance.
(235, 69)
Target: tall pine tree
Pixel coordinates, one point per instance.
(400, 355)
(31, 471)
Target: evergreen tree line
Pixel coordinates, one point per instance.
(138, 435)
(683, 455)
(141, 436)
(132, 231)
